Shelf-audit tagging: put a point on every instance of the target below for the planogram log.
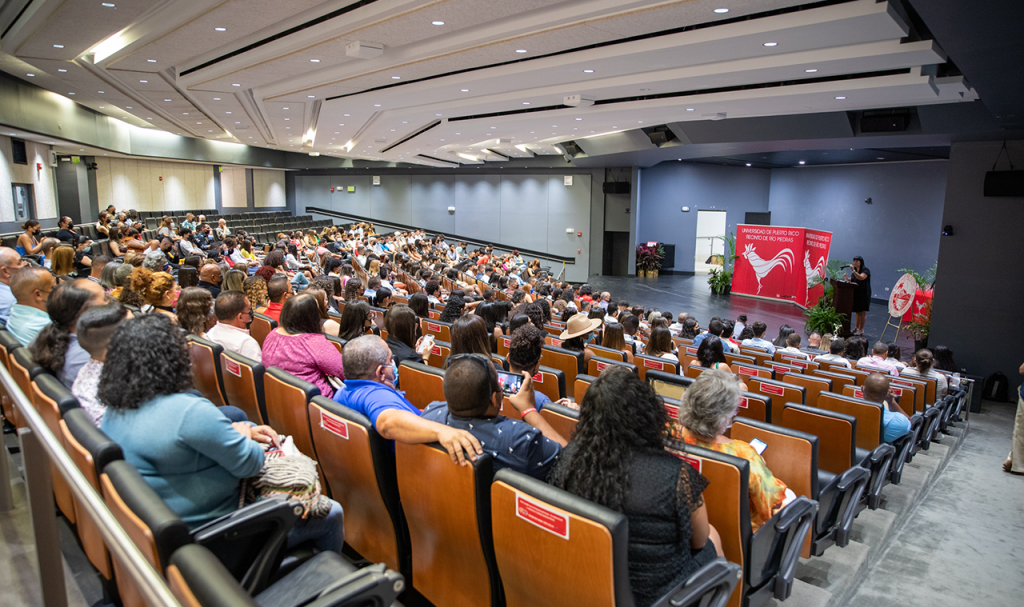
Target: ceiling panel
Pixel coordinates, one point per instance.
(79, 25)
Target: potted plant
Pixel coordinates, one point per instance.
(720, 281)
(921, 326)
(648, 260)
(823, 316)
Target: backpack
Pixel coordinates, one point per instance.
(996, 388)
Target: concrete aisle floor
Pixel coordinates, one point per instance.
(964, 544)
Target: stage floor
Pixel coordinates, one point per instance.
(692, 295)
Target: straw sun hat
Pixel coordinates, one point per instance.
(579, 324)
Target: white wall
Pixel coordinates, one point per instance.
(137, 184)
(232, 188)
(268, 188)
(43, 187)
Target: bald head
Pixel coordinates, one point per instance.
(31, 286)
(10, 262)
(363, 355)
(880, 349)
(876, 387)
(210, 273)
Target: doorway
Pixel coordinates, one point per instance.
(24, 207)
(709, 248)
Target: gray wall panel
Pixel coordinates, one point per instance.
(524, 211)
(478, 206)
(429, 199)
(356, 203)
(569, 207)
(313, 192)
(391, 198)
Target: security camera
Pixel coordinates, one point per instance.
(867, 200)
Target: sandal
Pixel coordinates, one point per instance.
(1007, 465)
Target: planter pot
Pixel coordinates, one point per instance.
(652, 273)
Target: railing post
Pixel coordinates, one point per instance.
(6, 496)
(44, 519)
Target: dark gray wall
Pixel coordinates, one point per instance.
(979, 280)
(669, 186)
(73, 194)
(900, 229)
(529, 210)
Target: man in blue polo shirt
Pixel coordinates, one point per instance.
(370, 389)
(895, 422)
(528, 444)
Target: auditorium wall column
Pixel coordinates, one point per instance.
(980, 266)
(634, 218)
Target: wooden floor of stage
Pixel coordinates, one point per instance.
(692, 295)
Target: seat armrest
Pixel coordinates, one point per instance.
(375, 586)
(837, 502)
(878, 462)
(903, 446)
(794, 523)
(716, 581)
(251, 541)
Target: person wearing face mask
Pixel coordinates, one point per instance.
(28, 243)
(67, 233)
(234, 316)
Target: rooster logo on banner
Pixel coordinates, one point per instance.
(762, 268)
(817, 271)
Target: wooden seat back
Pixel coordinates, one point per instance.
(421, 383)
(805, 365)
(868, 414)
(919, 388)
(745, 370)
(839, 380)
(8, 344)
(205, 356)
(504, 345)
(782, 369)
(566, 361)
(439, 354)
(836, 434)
(286, 397)
(597, 366)
(602, 352)
(668, 385)
(243, 385)
(51, 399)
(760, 356)
(646, 363)
(442, 331)
(551, 382)
(780, 393)
(813, 386)
(929, 383)
(261, 326)
(740, 358)
(580, 388)
(754, 406)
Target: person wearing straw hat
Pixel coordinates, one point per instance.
(579, 330)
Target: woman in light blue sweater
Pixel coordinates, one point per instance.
(187, 450)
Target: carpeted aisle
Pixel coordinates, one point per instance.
(964, 544)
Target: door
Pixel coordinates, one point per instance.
(709, 248)
(24, 209)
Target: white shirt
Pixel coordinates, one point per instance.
(236, 256)
(791, 350)
(835, 358)
(237, 340)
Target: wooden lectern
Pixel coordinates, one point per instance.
(842, 300)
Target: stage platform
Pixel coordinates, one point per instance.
(692, 295)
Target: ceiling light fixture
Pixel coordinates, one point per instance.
(107, 4)
(721, 11)
(588, 71)
(166, 99)
(840, 98)
(376, 105)
(235, 84)
(342, 114)
(463, 90)
(220, 29)
(311, 96)
(771, 43)
(227, 112)
(103, 107)
(58, 46)
(144, 81)
(748, 164)
(811, 71)
(437, 22)
(100, 92)
(314, 61)
(520, 50)
(61, 70)
(803, 162)
(31, 75)
(396, 77)
(579, 119)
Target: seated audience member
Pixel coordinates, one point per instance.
(353, 289)
(383, 298)
(94, 328)
(893, 357)
(279, 290)
(57, 348)
(922, 365)
(158, 290)
(617, 459)
(233, 281)
(709, 406)
(299, 347)
(711, 355)
(357, 319)
(31, 287)
(741, 323)
(234, 316)
(420, 305)
(524, 354)
(189, 452)
(691, 328)
(369, 389)
(404, 339)
(473, 402)
(944, 359)
(784, 332)
(793, 346)
(895, 422)
(10, 262)
(195, 311)
(453, 309)
(660, 345)
(469, 336)
(814, 346)
(630, 326)
(835, 353)
(876, 360)
(255, 289)
(758, 340)
(372, 284)
(579, 330)
(613, 337)
(856, 348)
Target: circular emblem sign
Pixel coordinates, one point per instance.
(902, 295)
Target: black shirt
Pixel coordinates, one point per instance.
(209, 286)
(65, 235)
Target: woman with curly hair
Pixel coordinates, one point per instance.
(123, 291)
(617, 459)
(186, 448)
(353, 289)
(195, 311)
(256, 291)
(158, 290)
(56, 347)
(453, 309)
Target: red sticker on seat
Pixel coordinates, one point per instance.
(691, 351)
(433, 327)
(673, 411)
(508, 342)
(770, 389)
(780, 370)
(334, 424)
(746, 370)
(901, 382)
(601, 367)
(436, 350)
(233, 367)
(858, 393)
(744, 403)
(557, 342)
(542, 516)
(803, 364)
(538, 378)
(693, 461)
(653, 364)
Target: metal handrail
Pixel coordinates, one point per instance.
(134, 563)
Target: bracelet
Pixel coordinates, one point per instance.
(527, 412)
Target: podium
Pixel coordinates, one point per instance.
(842, 300)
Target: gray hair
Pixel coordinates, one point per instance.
(123, 275)
(155, 261)
(361, 356)
(710, 403)
(107, 275)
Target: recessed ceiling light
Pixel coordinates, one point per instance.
(811, 71)
(103, 107)
(721, 11)
(31, 75)
(520, 50)
(100, 92)
(526, 103)
(166, 99)
(238, 123)
(284, 108)
(227, 112)
(396, 77)
(220, 29)
(314, 61)
(771, 43)
(748, 164)
(128, 107)
(463, 90)
(61, 70)
(803, 162)
(437, 22)
(58, 46)
(376, 105)
(285, 118)
(880, 158)
(311, 96)
(840, 98)
(235, 84)
(588, 71)
(343, 114)
(107, 4)
(579, 119)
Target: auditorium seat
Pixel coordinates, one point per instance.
(421, 383)
(646, 363)
(198, 579)
(745, 370)
(563, 419)
(768, 557)
(792, 456)
(761, 356)
(243, 385)
(261, 326)
(450, 531)
(52, 399)
(541, 532)
(836, 433)
(580, 388)
(757, 407)
(8, 344)
(780, 393)
(782, 369)
(813, 386)
(920, 391)
(597, 366)
(439, 354)
(286, 397)
(566, 361)
(839, 380)
(694, 370)
(805, 366)
(360, 466)
(206, 376)
(551, 382)
(668, 385)
(602, 352)
(504, 344)
(24, 370)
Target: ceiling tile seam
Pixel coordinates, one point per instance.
(169, 78)
(254, 109)
(40, 13)
(158, 22)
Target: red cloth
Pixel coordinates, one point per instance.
(274, 311)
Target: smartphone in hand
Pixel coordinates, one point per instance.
(510, 383)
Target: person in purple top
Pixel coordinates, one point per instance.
(370, 390)
(299, 347)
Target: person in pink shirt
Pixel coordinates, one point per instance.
(879, 352)
(299, 347)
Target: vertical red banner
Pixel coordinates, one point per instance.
(767, 262)
(816, 248)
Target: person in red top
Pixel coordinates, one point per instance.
(279, 289)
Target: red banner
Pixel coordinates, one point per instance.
(768, 262)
